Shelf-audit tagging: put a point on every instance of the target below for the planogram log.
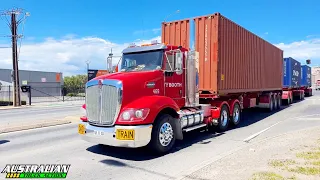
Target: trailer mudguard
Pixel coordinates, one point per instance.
(154, 103)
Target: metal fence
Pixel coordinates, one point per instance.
(45, 94)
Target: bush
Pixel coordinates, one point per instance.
(10, 103)
(71, 94)
(81, 95)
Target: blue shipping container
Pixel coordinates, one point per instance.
(291, 73)
(305, 76)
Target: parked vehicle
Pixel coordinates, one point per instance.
(306, 82)
(165, 90)
(318, 84)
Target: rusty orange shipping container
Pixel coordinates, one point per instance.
(231, 58)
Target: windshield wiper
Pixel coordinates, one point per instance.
(131, 67)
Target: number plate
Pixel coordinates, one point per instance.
(98, 133)
(125, 134)
(81, 129)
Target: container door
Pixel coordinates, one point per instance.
(173, 81)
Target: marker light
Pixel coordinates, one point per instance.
(84, 111)
(154, 42)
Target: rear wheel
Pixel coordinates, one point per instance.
(223, 119)
(278, 101)
(236, 117)
(162, 137)
(271, 104)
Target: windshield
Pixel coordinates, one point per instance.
(142, 61)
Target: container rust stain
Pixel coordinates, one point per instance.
(231, 58)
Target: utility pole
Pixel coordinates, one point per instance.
(16, 90)
(13, 25)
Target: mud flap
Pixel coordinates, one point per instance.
(178, 130)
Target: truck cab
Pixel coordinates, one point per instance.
(140, 104)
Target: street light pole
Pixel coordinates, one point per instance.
(87, 62)
(176, 12)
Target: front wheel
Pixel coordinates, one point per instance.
(162, 137)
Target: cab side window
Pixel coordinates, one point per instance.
(170, 66)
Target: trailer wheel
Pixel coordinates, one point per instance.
(290, 99)
(236, 118)
(271, 104)
(279, 101)
(223, 119)
(162, 137)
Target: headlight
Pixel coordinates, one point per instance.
(134, 114)
(139, 114)
(126, 115)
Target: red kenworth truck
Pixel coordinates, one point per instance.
(166, 89)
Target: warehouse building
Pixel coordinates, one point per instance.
(43, 84)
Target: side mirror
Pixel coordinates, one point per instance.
(179, 62)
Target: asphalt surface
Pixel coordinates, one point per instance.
(37, 114)
(61, 144)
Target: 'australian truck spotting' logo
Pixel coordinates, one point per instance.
(36, 171)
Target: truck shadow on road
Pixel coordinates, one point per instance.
(144, 153)
(3, 141)
(249, 117)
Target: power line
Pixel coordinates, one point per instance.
(13, 25)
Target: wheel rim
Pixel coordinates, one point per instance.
(224, 118)
(166, 134)
(236, 115)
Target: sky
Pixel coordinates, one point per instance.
(61, 35)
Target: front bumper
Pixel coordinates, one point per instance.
(107, 135)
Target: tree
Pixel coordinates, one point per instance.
(74, 84)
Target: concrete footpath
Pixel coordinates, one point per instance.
(295, 155)
(37, 116)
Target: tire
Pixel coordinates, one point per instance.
(278, 102)
(290, 99)
(275, 103)
(271, 104)
(236, 118)
(161, 123)
(224, 119)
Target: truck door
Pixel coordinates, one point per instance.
(173, 81)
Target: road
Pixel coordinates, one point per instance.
(36, 114)
(61, 144)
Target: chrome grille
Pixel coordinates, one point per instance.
(102, 104)
(92, 106)
(109, 104)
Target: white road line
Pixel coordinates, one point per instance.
(308, 119)
(260, 132)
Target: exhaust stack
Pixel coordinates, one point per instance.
(192, 95)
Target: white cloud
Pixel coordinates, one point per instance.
(302, 50)
(67, 55)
